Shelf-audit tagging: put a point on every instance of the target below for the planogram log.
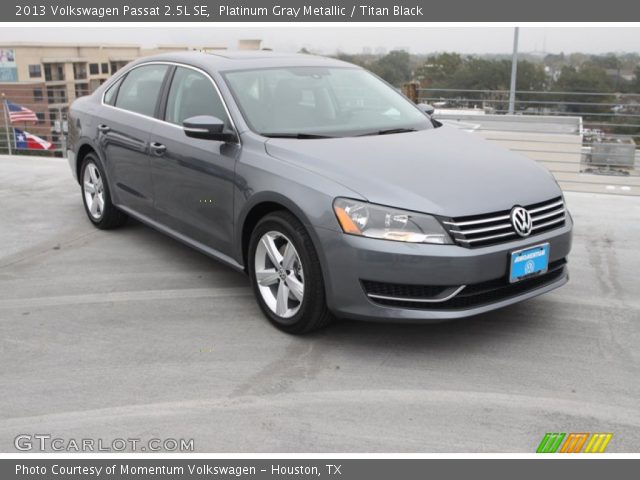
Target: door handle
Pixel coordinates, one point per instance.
(158, 148)
(103, 128)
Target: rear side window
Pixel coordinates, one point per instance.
(110, 96)
(140, 89)
(192, 94)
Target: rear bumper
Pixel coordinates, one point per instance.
(435, 272)
(71, 158)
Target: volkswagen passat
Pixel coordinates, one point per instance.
(335, 193)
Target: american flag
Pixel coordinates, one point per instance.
(18, 113)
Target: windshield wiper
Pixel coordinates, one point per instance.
(389, 131)
(302, 136)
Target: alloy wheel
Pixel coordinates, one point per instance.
(93, 191)
(279, 274)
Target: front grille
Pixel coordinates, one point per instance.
(490, 229)
(471, 296)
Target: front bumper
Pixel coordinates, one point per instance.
(351, 263)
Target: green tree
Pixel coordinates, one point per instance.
(438, 70)
(395, 67)
(609, 61)
(589, 78)
(635, 83)
(482, 74)
(355, 59)
(555, 61)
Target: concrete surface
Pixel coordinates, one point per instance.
(128, 334)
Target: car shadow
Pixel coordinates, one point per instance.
(447, 335)
(463, 335)
(166, 247)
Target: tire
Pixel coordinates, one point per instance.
(291, 312)
(96, 196)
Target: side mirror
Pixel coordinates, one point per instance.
(426, 108)
(208, 128)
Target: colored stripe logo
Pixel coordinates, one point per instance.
(574, 443)
(598, 442)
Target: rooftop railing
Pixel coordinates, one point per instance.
(614, 113)
(571, 133)
(588, 140)
(50, 106)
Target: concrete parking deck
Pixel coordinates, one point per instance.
(129, 334)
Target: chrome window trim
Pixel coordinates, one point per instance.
(177, 64)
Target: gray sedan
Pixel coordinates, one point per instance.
(336, 194)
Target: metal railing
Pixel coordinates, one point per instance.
(607, 124)
(51, 106)
(617, 113)
(595, 130)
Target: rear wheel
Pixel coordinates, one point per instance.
(96, 197)
(286, 275)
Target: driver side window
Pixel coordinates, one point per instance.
(191, 94)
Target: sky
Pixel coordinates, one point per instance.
(348, 39)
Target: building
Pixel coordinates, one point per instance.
(69, 71)
(46, 78)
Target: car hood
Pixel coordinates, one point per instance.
(443, 171)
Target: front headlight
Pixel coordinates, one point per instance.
(376, 221)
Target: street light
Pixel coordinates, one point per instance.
(514, 72)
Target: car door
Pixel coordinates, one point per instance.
(193, 178)
(124, 127)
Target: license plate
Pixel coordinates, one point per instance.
(529, 262)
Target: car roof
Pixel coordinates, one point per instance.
(227, 60)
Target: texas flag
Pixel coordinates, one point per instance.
(28, 141)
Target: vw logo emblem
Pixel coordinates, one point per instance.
(521, 221)
(529, 267)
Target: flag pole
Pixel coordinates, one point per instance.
(6, 123)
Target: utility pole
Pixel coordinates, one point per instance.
(63, 133)
(514, 73)
(6, 122)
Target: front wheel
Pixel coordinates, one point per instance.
(286, 275)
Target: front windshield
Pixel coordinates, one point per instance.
(320, 101)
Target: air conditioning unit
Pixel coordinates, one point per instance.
(609, 151)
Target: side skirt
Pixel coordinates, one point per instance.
(202, 248)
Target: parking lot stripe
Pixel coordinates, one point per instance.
(108, 297)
